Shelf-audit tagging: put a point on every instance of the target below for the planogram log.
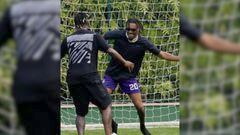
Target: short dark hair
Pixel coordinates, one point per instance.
(80, 19)
(137, 22)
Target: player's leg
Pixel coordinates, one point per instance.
(137, 101)
(38, 118)
(131, 87)
(106, 118)
(102, 99)
(114, 127)
(80, 124)
(26, 113)
(114, 124)
(110, 86)
(54, 114)
(81, 101)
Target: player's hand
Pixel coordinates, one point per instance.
(129, 65)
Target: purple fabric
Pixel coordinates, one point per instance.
(129, 86)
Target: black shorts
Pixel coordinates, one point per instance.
(40, 117)
(92, 91)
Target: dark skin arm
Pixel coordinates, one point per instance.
(129, 65)
(168, 56)
(218, 44)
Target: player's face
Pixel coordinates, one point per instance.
(132, 31)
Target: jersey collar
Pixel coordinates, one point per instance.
(134, 40)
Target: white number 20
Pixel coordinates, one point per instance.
(133, 86)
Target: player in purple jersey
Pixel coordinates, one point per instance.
(132, 46)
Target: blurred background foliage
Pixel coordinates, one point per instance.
(210, 82)
(8, 119)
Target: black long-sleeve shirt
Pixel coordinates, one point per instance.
(34, 25)
(187, 30)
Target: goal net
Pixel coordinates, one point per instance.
(159, 78)
(210, 81)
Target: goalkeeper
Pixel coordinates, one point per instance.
(132, 46)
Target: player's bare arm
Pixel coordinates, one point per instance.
(168, 56)
(207, 40)
(129, 65)
(218, 44)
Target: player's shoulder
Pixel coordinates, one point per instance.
(83, 32)
(143, 40)
(118, 32)
(81, 35)
(39, 7)
(121, 32)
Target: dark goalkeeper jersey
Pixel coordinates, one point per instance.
(133, 52)
(82, 48)
(186, 29)
(33, 24)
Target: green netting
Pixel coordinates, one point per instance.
(210, 81)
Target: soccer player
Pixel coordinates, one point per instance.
(83, 80)
(132, 46)
(34, 25)
(207, 40)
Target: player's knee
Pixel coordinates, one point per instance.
(138, 105)
(109, 107)
(105, 103)
(140, 108)
(106, 106)
(109, 91)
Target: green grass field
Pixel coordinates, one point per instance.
(154, 131)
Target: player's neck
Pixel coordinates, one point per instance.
(85, 27)
(133, 40)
